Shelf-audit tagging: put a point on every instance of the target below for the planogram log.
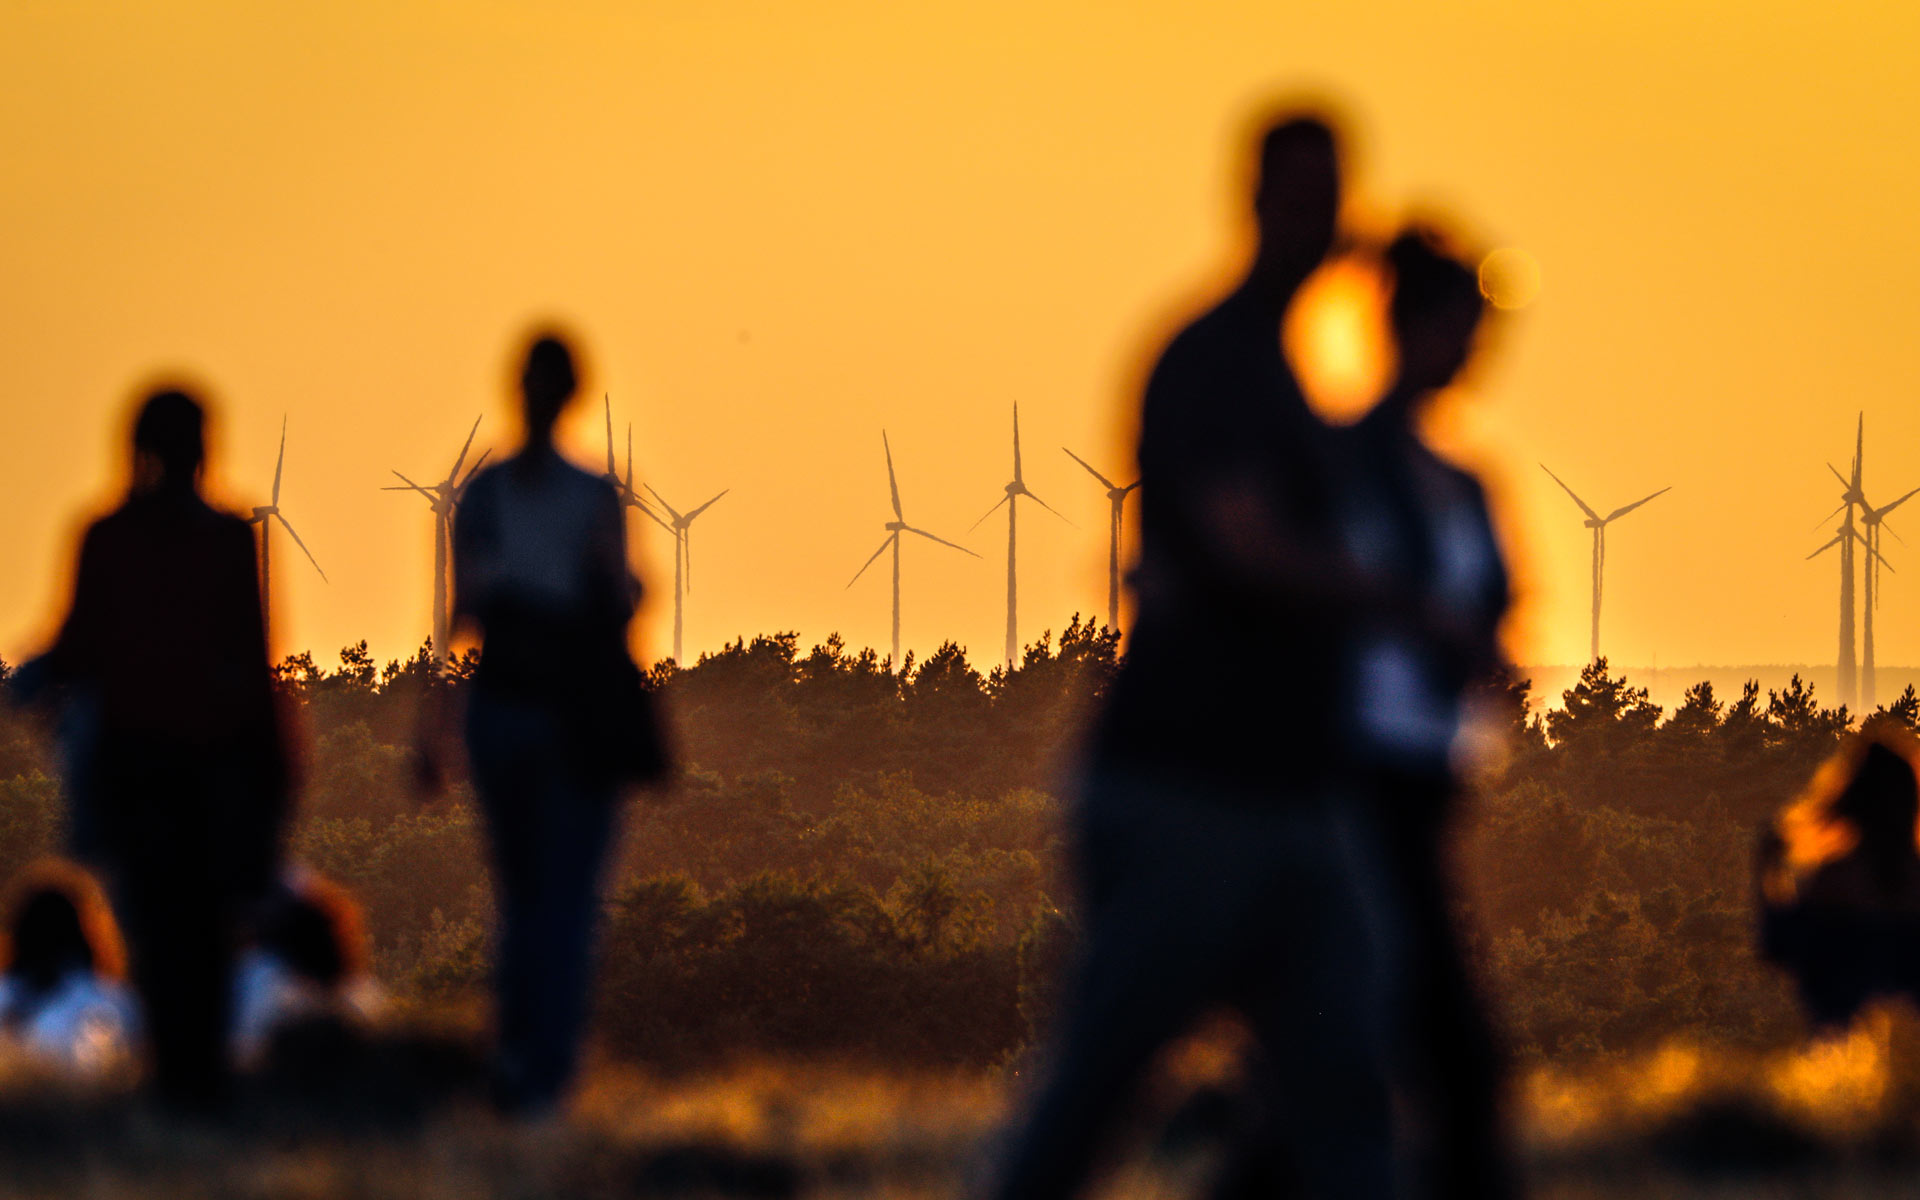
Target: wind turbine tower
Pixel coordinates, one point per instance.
(443, 498)
(681, 525)
(1116, 501)
(895, 528)
(1853, 495)
(264, 515)
(1599, 524)
(1014, 490)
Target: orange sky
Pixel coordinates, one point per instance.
(781, 227)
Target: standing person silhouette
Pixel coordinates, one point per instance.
(1217, 865)
(1422, 525)
(184, 766)
(540, 568)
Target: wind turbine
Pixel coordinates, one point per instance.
(1853, 495)
(1016, 489)
(895, 528)
(1116, 501)
(264, 515)
(624, 487)
(1599, 524)
(681, 528)
(443, 497)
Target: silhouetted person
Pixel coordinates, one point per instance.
(183, 777)
(62, 999)
(1421, 524)
(1848, 929)
(1218, 866)
(553, 723)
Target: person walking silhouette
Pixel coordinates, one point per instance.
(1218, 867)
(556, 722)
(183, 773)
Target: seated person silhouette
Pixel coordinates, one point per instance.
(62, 999)
(306, 966)
(1840, 882)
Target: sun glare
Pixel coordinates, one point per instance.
(1510, 278)
(1336, 337)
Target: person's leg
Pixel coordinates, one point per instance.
(506, 786)
(1319, 989)
(1145, 971)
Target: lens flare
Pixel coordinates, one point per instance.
(1336, 337)
(1510, 278)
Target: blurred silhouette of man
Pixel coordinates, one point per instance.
(540, 567)
(1217, 864)
(1422, 526)
(182, 776)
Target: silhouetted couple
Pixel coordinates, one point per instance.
(1259, 824)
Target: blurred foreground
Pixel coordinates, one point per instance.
(1832, 1119)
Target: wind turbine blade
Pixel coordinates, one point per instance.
(461, 490)
(709, 504)
(634, 501)
(989, 512)
(455, 473)
(1083, 462)
(1591, 515)
(1623, 511)
(1838, 475)
(944, 542)
(1830, 545)
(1886, 528)
(1131, 486)
(1884, 509)
(662, 501)
(1016, 442)
(612, 472)
(288, 526)
(1830, 516)
(1859, 448)
(876, 554)
(280, 462)
(410, 485)
(1050, 508)
(893, 486)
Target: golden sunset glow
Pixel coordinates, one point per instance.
(780, 229)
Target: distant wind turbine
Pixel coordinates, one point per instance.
(681, 527)
(444, 497)
(1853, 495)
(264, 515)
(895, 528)
(1116, 502)
(1015, 489)
(1599, 524)
(624, 487)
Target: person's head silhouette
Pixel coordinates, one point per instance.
(57, 921)
(547, 382)
(1435, 311)
(1296, 201)
(1882, 800)
(169, 442)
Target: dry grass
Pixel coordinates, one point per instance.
(1830, 1119)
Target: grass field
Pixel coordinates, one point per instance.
(406, 1119)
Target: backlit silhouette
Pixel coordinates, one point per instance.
(895, 528)
(1599, 524)
(1853, 495)
(264, 515)
(444, 497)
(1116, 504)
(1015, 488)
